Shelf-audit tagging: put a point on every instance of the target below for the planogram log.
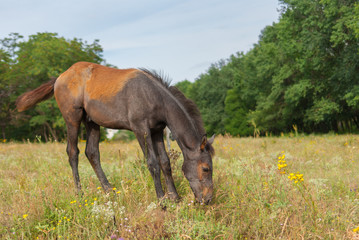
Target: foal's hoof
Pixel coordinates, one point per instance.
(163, 207)
(79, 193)
(174, 197)
(107, 189)
(168, 200)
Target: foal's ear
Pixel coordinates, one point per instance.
(203, 142)
(211, 140)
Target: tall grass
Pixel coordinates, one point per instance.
(255, 197)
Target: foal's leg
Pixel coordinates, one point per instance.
(92, 152)
(165, 164)
(145, 140)
(73, 152)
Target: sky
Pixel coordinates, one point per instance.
(179, 38)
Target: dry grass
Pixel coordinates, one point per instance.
(253, 199)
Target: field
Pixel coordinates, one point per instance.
(304, 187)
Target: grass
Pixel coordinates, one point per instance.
(253, 199)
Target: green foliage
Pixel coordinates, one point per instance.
(124, 136)
(321, 110)
(236, 121)
(209, 93)
(184, 86)
(24, 65)
(303, 71)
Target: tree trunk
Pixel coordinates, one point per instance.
(3, 132)
(45, 134)
(53, 134)
(355, 120)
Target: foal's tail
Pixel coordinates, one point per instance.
(31, 98)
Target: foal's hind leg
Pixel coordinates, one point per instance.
(73, 151)
(92, 152)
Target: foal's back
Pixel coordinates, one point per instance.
(113, 98)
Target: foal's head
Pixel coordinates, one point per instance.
(198, 170)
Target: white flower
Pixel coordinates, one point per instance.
(151, 207)
(106, 210)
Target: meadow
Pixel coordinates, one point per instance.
(289, 187)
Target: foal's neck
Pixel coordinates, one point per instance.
(183, 128)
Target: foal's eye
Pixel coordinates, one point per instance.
(205, 169)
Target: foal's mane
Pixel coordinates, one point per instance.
(188, 104)
(193, 111)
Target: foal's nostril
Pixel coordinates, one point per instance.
(208, 201)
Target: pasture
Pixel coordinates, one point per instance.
(304, 187)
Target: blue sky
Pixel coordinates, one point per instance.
(180, 38)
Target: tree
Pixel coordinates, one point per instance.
(303, 71)
(5, 91)
(209, 93)
(236, 120)
(316, 62)
(30, 63)
(185, 87)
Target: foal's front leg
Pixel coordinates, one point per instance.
(146, 143)
(165, 165)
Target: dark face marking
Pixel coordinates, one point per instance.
(203, 169)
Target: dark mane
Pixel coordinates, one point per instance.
(188, 104)
(194, 112)
(158, 76)
(190, 107)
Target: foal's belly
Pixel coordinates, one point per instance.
(107, 115)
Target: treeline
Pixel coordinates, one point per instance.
(303, 74)
(26, 64)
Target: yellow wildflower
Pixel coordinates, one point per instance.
(296, 177)
(25, 216)
(282, 163)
